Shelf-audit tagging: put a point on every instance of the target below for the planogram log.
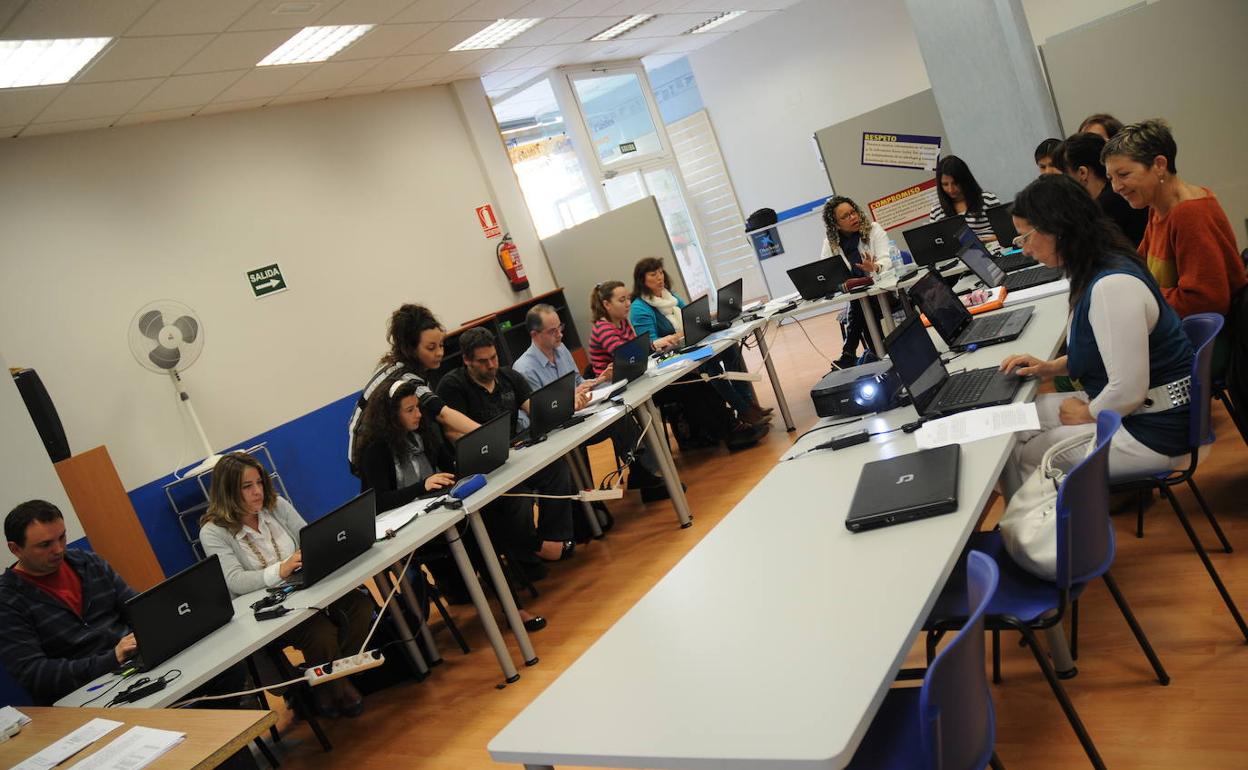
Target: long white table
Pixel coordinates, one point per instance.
(773, 642)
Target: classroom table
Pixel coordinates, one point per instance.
(212, 735)
(774, 641)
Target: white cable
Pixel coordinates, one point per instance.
(267, 687)
(382, 610)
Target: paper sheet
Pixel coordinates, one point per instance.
(137, 747)
(393, 521)
(597, 395)
(977, 424)
(11, 716)
(68, 746)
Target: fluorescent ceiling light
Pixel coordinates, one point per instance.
(496, 34)
(312, 44)
(714, 22)
(46, 62)
(632, 22)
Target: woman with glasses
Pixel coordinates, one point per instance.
(1124, 344)
(857, 240)
(959, 194)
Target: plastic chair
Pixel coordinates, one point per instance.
(1026, 603)
(948, 722)
(1201, 329)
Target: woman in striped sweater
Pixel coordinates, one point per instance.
(960, 194)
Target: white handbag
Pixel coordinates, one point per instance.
(1029, 524)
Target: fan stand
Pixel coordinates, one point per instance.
(211, 460)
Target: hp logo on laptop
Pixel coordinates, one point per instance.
(485, 450)
(820, 277)
(938, 241)
(184, 608)
(554, 404)
(905, 478)
(342, 536)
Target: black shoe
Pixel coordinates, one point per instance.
(655, 493)
(534, 624)
(845, 362)
(745, 435)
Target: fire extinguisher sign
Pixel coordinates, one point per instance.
(489, 222)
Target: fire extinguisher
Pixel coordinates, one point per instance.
(509, 260)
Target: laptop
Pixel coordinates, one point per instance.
(934, 241)
(1003, 227)
(817, 280)
(485, 448)
(955, 324)
(335, 539)
(174, 614)
(904, 488)
(976, 257)
(933, 390)
(727, 305)
(631, 359)
(550, 407)
(696, 319)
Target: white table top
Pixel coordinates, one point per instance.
(773, 642)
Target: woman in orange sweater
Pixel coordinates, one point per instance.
(1188, 242)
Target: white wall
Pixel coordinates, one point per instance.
(365, 202)
(1050, 17)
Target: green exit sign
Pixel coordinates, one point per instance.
(266, 280)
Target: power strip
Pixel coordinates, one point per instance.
(353, 664)
(590, 495)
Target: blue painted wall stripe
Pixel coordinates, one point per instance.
(804, 208)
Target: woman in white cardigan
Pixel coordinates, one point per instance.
(858, 241)
(255, 534)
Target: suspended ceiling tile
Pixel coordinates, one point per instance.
(131, 58)
(94, 100)
(431, 10)
(500, 58)
(364, 12)
(538, 56)
(544, 9)
(332, 75)
(135, 118)
(283, 14)
(74, 18)
(215, 109)
(386, 40)
(543, 33)
(631, 7)
(667, 26)
(10, 132)
(410, 84)
(358, 91)
(447, 35)
(588, 8)
(687, 43)
(392, 70)
(493, 10)
(188, 91)
(265, 82)
(235, 50)
(583, 30)
(19, 106)
(189, 17)
(66, 126)
(446, 65)
(291, 97)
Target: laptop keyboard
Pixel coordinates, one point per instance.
(1028, 278)
(1015, 262)
(967, 387)
(990, 326)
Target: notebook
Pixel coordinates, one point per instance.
(904, 488)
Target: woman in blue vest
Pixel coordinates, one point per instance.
(1124, 342)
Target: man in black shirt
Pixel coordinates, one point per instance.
(483, 390)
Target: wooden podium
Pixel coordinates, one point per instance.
(94, 488)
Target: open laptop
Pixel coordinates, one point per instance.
(485, 448)
(905, 488)
(1003, 227)
(696, 319)
(631, 359)
(932, 389)
(955, 324)
(551, 407)
(727, 305)
(975, 255)
(335, 539)
(934, 241)
(820, 279)
(174, 614)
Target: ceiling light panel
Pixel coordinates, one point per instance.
(313, 44)
(714, 22)
(496, 34)
(46, 62)
(632, 22)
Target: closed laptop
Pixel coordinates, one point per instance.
(905, 488)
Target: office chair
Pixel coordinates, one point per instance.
(1201, 329)
(949, 722)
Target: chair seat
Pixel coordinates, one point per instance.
(893, 741)
(1019, 594)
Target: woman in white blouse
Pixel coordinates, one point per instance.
(255, 534)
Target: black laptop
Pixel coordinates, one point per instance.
(174, 614)
(727, 305)
(955, 324)
(1002, 224)
(335, 539)
(934, 241)
(631, 359)
(817, 280)
(485, 448)
(975, 255)
(696, 319)
(934, 391)
(905, 488)
(551, 407)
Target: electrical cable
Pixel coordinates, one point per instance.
(252, 691)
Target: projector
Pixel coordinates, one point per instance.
(872, 387)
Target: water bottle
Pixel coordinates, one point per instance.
(886, 267)
(898, 258)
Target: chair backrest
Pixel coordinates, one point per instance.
(1201, 330)
(957, 722)
(1085, 537)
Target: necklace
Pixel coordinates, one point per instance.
(255, 550)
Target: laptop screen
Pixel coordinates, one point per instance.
(934, 241)
(631, 359)
(728, 302)
(819, 279)
(1002, 223)
(485, 448)
(976, 257)
(916, 361)
(941, 306)
(696, 317)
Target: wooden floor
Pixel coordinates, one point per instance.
(1199, 721)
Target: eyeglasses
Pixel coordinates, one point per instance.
(1021, 240)
(552, 331)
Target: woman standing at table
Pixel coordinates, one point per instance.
(1124, 343)
(857, 240)
(959, 194)
(255, 534)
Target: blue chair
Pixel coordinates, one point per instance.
(947, 723)
(1026, 603)
(1201, 329)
